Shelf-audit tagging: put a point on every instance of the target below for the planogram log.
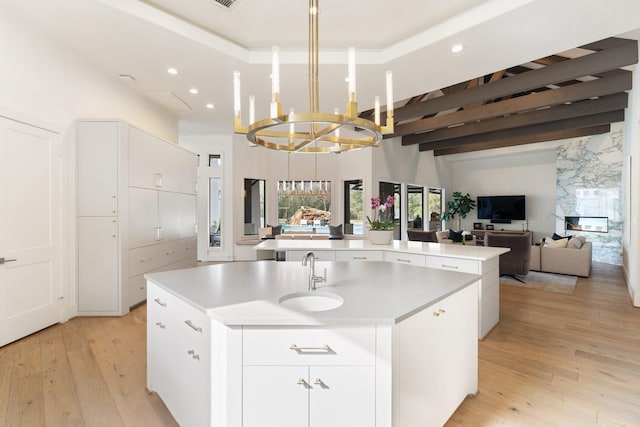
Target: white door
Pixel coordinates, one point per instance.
(30, 230)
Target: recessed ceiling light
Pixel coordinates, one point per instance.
(210, 106)
(193, 91)
(172, 71)
(457, 48)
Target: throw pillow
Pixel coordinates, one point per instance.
(335, 232)
(550, 243)
(558, 237)
(455, 236)
(576, 242)
(276, 230)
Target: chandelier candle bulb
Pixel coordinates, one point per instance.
(389, 96)
(252, 109)
(352, 73)
(275, 74)
(236, 93)
(376, 110)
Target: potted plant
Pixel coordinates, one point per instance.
(461, 205)
(382, 225)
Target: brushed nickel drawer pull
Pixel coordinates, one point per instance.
(192, 326)
(160, 325)
(359, 257)
(403, 260)
(193, 355)
(325, 349)
(162, 304)
(455, 267)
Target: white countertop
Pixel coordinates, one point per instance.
(247, 293)
(481, 253)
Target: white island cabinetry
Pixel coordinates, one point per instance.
(135, 213)
(404, 355)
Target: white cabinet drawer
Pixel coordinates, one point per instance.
(320, 255)
(135, 290)
(193, 324)
(359, 256)
(405, 258)
(144, 259)
(309, 346)
(454, 264)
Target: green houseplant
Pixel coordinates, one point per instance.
(461, 205)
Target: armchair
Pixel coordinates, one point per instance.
(515, 262)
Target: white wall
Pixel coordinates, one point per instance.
(507, 172)
(48, 85)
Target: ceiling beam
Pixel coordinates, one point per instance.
(527, 139)
(598, 62)
(613, 84)
(435, 139)
(574, 123)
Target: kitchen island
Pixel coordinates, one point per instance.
(400, 349)
(453, 257)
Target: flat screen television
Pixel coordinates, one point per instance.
(502, 208)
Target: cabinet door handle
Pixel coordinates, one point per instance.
(324, 349)
(162, 304)
(455, 267)
(158, 233)
(3, 260)
(193, 355)
(436, 314)
(161, 325)
(321, 383)
(142, 261)
(192, 326)
(158, 180)
(359, 257)
(115, 228)
(442, 311)
(303, 383)
(403, 260)
(113, 204)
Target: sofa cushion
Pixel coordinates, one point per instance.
(456, 236)
(550, 243)
(577, 242)
(556, 236)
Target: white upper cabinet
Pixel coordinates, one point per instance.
(143, 159)
(98, 171)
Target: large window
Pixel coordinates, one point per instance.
(353, 207)
(392, 189)
(435, 209)
(415, 206)
(304, 205)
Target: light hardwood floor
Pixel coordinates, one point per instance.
(553, 360)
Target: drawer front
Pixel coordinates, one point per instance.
(136, 290)
(405, 258)
(453, 264)
(320, 255)
(144, 259)
(160, 301)
(359, 256)
(309, 346)
(193, 326)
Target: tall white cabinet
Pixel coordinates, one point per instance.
(136, 213)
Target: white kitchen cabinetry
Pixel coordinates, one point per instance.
(123, 206)
(179, 340)
(359, 256)
(405, 258)
(294, 255)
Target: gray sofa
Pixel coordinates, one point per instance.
(576, 262)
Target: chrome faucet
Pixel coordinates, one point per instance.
(313, 279)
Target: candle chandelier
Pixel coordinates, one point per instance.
(313, 132)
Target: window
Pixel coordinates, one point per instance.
(435, 209)
(215, 212)
(415, 208)
(254, 205)
(392, 189)
(304, 205)
(353, 207)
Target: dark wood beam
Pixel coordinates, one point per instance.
(598, 62)
(560, 112)
(600, 87)
(608, 43)
(574, 123)
(529, 139)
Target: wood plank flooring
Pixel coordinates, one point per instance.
(553, 360)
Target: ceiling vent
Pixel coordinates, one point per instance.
(227, 4)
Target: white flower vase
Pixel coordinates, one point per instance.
(380, 237)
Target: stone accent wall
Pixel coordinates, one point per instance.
(589, 183)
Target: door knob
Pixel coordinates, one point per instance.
(3, 260)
